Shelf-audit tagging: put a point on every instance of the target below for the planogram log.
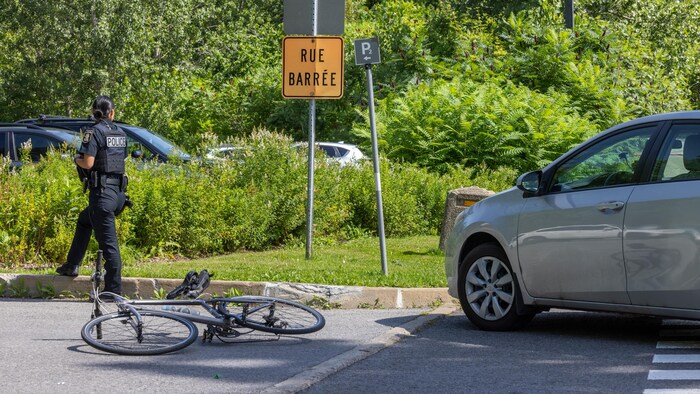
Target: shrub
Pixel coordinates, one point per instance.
(464, 124)
(255, 201)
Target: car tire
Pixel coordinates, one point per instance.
(489, 292)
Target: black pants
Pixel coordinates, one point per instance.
(99, 216)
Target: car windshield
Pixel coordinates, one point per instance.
(159, 142)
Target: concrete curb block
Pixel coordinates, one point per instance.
(344, 297)
(314, 375)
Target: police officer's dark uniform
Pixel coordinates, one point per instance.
(107, 183)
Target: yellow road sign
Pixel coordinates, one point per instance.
(312, 67)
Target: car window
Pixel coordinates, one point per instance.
(679, 157)
(40, 144)
(330, 151)
(610, 162)
(161, 143)
(342, 152)
(133, 144)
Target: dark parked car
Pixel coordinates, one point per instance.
(613, 225)
(13, 136)
(142, 143)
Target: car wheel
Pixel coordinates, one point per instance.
(489, 292)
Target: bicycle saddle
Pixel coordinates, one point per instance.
(193, 285)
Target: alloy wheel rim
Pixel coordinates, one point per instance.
(489, 288)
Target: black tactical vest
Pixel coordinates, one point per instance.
(112, 151)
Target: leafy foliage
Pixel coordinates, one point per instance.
(521, 91)
(188, 68)
(476, 91)
(46, 291)
(18, 289)
(465, 124)
(252, 202)
(159, 294)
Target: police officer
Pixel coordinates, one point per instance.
(102, 153)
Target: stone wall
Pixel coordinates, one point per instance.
(457, 201)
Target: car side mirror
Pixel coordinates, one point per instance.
(136, 154)
(529, 183)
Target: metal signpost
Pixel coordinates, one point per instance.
(367, 53)
(312, 17)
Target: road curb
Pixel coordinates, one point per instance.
(340, 297)
(321, 371)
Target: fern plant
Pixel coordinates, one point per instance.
(46, 291)
(18, 289)
(463, 123)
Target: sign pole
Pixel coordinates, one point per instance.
(313, 64)
(310, 191)
(312, 149)
(367, 53)
(377, 180)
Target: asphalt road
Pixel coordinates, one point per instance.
(559, 352)
(42, 351)
(364, 351)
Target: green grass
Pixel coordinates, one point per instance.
(412, 262)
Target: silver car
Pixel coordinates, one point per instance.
(612, 225)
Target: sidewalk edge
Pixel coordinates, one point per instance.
(320, 296)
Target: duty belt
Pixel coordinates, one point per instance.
(102, 180)
(113, 181)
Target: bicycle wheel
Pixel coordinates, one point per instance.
(275, 315)
(161, 333)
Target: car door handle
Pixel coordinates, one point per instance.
(610, 206)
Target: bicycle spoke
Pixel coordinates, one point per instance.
(277, 316)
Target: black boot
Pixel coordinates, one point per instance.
(68, 270)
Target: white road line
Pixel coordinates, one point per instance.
(676, 329)
(678, 345)
(678, 374)
(679, 332)
(676, 358)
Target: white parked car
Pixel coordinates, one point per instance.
(224, 151)
(338, 151)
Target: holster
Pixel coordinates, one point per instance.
(124, 183)
(84, 176)
(127, 203)
(94, 180)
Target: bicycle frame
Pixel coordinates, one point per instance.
(216, 318)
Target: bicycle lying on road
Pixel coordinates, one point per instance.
(138, 329)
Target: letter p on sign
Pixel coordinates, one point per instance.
(367, 51)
